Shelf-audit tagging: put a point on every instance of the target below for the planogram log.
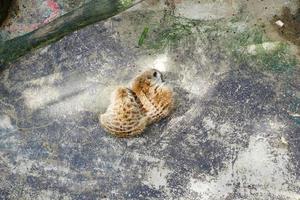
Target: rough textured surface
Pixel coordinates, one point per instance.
(28, 15)
(234, 134)
(85, 15)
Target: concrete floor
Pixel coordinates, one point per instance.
(235, 132)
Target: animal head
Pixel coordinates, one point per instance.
(147, 79)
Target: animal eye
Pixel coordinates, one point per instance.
(155, 74)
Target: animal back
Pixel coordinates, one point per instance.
(160, 104)
(124, 117)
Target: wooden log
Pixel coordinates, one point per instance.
(88, 13)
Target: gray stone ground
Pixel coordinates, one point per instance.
(235, 132)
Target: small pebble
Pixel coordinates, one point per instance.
(279, 23)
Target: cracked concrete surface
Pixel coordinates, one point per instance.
(233, 135)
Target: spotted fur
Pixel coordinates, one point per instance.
(155, 96)
(124, 116)
(131, 110)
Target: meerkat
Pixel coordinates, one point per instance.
(124, 117)
(131, 110)
(155, 96)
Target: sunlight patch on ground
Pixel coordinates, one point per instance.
(258, 166)
(92, 100)
(204, 11)
(5, 122)
(161, 62)
(76, 93)
(157, 176)
(38, 97)
(46, 80)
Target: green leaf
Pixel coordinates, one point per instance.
(143, 36)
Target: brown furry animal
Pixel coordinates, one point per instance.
(155, 96)
(124, 117)
(131, 110)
